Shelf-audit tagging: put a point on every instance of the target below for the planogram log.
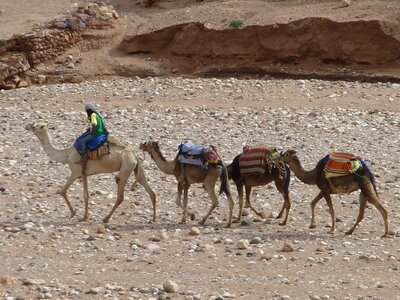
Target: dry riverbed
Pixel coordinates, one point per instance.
(47, 255)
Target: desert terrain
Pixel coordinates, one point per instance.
(156, 96)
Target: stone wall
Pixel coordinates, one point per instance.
(46, 44)
(22, 52)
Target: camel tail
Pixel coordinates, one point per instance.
(224, 182)
(372, 178)
(370, 175)
(233, 169)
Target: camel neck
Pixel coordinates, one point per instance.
(164, 165)
(59, 155)
(308, 177)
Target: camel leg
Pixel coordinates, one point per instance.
(239, 188)
(135, 184)
(286, 205)
(214, 204)
(360, 213)
(185, 203)
(231, 205)
(121, 180)
(86, 197)
(64, 189)
(120, 198)
(179, 202)
(375, 201)
(141, 179)
(280, 185)
(178, 199)
(313, 203)
(332, 212)
(248, 203)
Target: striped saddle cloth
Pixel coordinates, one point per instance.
(341, 164)
(255, 160)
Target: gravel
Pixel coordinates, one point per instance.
(48, 255)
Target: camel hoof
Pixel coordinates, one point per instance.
(385, 235)
(202, 222)
(350, 232)
(227, 226)
(73, 213)
(237, 220)
(106, 220)
(312, 226)
(83, 219)
(282, 223)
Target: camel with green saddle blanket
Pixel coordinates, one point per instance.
(187, 173)
(120, 159)
(356, 177)
(258, 166)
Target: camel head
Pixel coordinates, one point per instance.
(149, 146)
(288, 155)
(39, 129)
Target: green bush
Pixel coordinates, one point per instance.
(236, 24)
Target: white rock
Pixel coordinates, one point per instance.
(243, 244)
(170, 286)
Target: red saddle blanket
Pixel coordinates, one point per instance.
(255, 160)
(341, 164)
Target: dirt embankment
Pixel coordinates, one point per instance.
(196, 49)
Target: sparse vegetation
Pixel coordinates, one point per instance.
(236, 24)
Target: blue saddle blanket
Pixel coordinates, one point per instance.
(96, 143)
(91, 145)
(188, 148)
(192, 154)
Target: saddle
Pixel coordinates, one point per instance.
(341, 164)
(193, 154)
(97, 148)
(256, 160)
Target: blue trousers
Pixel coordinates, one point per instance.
(83, 140)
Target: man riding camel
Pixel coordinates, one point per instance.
(96, 129)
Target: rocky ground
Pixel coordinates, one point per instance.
(47, 255)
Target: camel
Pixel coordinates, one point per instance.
(280, 177)
(362, 180)
(187, 174)
(121, 159)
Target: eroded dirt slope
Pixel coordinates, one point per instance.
(314, 41)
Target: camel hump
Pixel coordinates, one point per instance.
(115, 141)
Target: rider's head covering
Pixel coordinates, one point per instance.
(90, 106)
